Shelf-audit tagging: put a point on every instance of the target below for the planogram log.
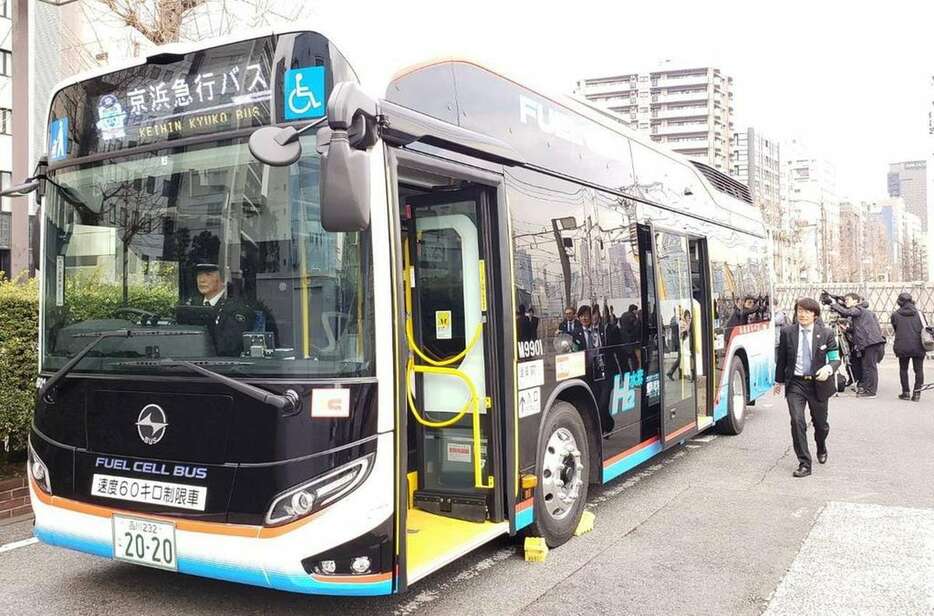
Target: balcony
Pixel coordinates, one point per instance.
(682, 97)
(693, 143)
(676, 81)
(620, 88)
(689, 112)
(693, 127)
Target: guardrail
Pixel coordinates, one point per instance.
(880, 295)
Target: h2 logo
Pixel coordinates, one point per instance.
(303, 95)
(624, 394)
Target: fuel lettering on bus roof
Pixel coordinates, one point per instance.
(549, 120)
(152, 468)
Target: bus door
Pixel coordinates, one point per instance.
(678, 343)
(703, 331)
(451, 375)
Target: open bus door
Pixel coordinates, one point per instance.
(458, 392)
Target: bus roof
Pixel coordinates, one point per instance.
(572, 137)
(562, 133)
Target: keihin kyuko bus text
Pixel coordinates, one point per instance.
(324, 335)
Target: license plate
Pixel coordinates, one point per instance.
(145, 542)
(148, 491)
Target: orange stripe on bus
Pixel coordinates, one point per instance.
(668, 437)
(524, 504)
(194, 526)
(630, 451)
(353, 579)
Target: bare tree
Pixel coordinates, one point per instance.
(160, 22)
(133, 210)
(169, 21)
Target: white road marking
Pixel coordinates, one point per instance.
(704, 439)
(430, 595)
(9, 547)
(882, 563)
(693, 446)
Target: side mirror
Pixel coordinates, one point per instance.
(21, 190)
(276, 147)
(35, 230)
(344, 179)
(344, 186)
(345, 167)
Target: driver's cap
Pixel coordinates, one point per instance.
(206, 267)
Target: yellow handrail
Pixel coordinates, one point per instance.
(439, 367)
(410, 335)
(473, 399)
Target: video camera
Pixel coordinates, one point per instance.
(828, 298)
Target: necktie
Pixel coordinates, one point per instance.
(806, 352)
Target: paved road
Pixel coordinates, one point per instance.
(717, 526)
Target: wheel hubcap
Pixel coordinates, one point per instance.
(739, 396)
(562, 472)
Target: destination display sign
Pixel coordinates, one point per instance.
(211, 90)
(215, 90)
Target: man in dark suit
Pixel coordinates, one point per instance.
(807, 357)
(231, 316)
(570, 325)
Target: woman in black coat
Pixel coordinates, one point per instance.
(906, 321)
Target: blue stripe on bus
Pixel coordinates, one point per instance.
(524, 516)
(631, 461)
(73, 542)
(230, 573)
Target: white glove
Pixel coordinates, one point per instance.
(824, 373)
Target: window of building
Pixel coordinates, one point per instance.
(6, 180)
(5, 8)
(6, 62)
(6, 121)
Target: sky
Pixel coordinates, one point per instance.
(850, 83)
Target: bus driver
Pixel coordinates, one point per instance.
(232, 317)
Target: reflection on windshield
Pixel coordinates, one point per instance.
(204, 240)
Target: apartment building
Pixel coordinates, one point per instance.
(811, 202)
(6, 130)
(908, 180)
(688, 109)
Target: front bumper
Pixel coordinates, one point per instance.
(256, 555)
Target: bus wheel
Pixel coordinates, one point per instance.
(563, 475)
(736, 413)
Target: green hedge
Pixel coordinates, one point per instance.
(87, 298)
(19, 327)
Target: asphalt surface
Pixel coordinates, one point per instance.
(716, 526)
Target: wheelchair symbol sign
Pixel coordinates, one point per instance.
(58, 139)
(304, 93)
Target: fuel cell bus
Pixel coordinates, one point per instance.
(326, 335)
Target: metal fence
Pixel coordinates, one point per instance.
(880, 295)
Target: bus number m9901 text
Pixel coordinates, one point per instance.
(531, 348)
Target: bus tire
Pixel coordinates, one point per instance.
(736, 403)
(563, 475)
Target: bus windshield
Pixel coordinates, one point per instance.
(203, 239)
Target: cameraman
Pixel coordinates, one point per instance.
(868, 341)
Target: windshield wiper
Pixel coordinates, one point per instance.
(288, 403)
(49, 385)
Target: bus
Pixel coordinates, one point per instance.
(322, 334)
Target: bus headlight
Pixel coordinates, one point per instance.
(39, 471)
(307, 498)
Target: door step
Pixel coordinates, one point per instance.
(460, 506)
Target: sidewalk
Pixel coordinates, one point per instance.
(871, 548)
